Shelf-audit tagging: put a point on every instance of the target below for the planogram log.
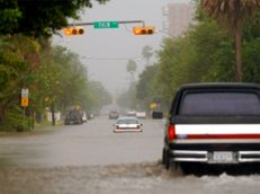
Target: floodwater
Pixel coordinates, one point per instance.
(139, 178)
(90, 159)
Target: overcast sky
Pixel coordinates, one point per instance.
(117, 44)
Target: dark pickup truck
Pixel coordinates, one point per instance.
(213, 124)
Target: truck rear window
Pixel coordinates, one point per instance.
(219, 103)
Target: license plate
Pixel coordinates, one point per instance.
(223, 157)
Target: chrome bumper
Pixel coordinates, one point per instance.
(237, 157)
(127, 130)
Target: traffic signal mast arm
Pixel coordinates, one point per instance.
(77, 29)
(119, 22)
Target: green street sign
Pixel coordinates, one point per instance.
(105, 24)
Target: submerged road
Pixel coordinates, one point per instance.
(90, 158)
(92, 143)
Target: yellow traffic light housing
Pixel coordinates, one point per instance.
(71, 31)
(146, 30)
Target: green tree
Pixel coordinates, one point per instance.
(146, 88)
(231, 14)
(206, 53)
(9, 16)
(38, 17)
(99, 96)
(192, 57)
(63, 79)
(18, 63)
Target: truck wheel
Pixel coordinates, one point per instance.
(166, 159)
(163, 157)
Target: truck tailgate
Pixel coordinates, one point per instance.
(217, 131)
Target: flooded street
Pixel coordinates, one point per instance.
(138, 178)
(92, 143)
(90, 158)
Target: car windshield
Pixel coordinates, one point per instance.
(127, 121)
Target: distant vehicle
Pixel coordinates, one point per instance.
(113, 115)
(84, 117)
(73, 117)
(213, 124)
(157, 114)
(128, 124)
(141, 114)
(90, 116)
(131, 113)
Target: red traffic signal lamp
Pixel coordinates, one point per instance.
(71, 31)
(145, 30)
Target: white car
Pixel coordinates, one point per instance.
(128, 124)
(131, 113)
(141, 115)
(84, 117)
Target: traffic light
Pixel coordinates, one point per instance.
(71, 31)
(145, 30)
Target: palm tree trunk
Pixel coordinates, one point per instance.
(238, 62)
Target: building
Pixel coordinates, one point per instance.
(178, 18)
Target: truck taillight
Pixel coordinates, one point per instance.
(171, 132)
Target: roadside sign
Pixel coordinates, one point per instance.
(25, 93)
(24, 102)
(153, 105)
(105, 24)
(25, 97)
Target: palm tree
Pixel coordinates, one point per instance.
(131, 67)
(147, 53)
(231, 14)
